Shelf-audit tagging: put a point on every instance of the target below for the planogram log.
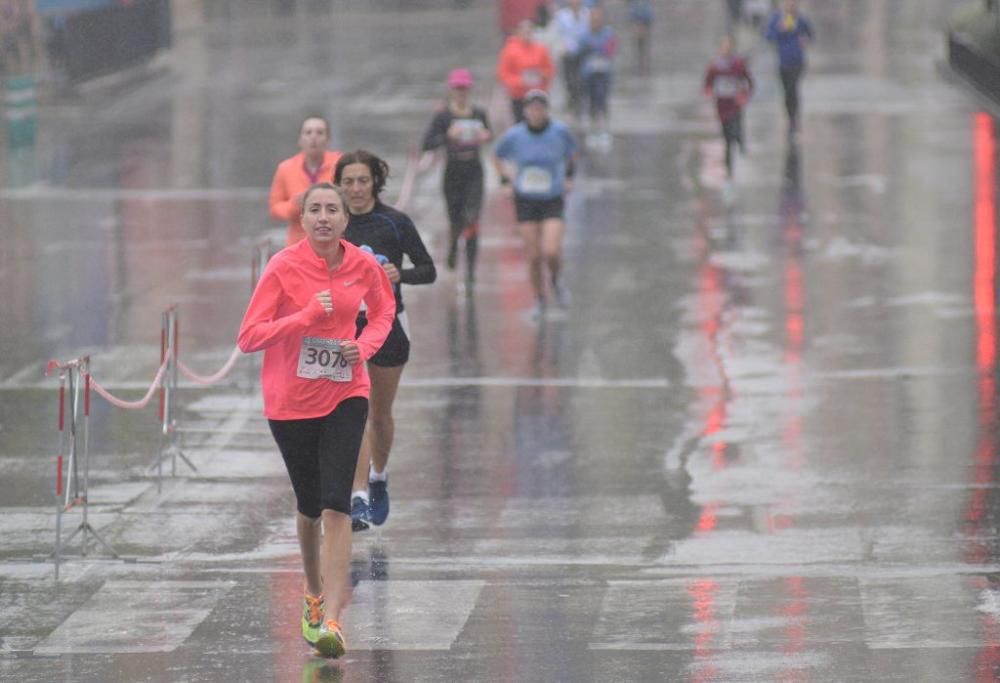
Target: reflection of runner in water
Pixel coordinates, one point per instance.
(302, 315)
(391, 235)
(640, 16)
(524, 64)
(728, 81)
(540, 155)
(461, 129)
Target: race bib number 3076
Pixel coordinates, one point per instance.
(321, 358)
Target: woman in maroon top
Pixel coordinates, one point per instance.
(728, 80)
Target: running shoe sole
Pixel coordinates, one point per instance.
(330, 644)
(360, 514)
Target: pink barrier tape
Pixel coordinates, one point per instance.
(132, 405)
(211, 379)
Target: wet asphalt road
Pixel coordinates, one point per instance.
(761, 445)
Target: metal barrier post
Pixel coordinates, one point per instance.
(59, 467)
(168, 389)
(163, 407)
(83, 495)
(77, 491)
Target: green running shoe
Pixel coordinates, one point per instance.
(312, 617)
(330, 642)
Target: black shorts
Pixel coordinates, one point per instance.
(321, 453)
(395, 352)
(537, 209)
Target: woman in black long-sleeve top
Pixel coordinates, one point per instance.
(389, 234)
(461, 129)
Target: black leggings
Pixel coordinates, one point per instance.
(321, 454)
(790, 76)
(574, 83)
(463, 193)
(732, 133)
(598, 88)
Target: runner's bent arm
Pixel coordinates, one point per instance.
(748, 77)
(806, 31)
(260, 328)
(507, 70)
(709, 78)
(481, 113)
(501, 157)
(282, 207)
(548, 69)
(423, 271)
(611, 45)
(771, 33)
(437, 132)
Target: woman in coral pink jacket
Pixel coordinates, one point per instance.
(524, 64)
(313, 164)
(302, 315)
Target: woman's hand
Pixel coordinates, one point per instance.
(350, 352)
(426, 161)
(391, 271)
(326, 300)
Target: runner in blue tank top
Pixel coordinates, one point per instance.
(536, 161)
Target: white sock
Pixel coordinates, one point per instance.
(377, 476)
(363, 494)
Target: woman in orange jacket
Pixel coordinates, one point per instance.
(302, 315)
(524, 64)
(313, 164)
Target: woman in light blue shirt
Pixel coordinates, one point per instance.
(536, 161)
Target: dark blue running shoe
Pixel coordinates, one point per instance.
(378, 493)
(360, 514)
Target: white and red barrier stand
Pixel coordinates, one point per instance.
(73, 459)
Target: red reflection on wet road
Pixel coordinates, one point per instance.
(791, 209)
(711, 300)
(984, 301)
(703, 592)
(984, 282)
(793, 609)
(795, 612)
(708, 519)
(987, 661)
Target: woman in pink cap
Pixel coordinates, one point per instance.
(461, 129)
